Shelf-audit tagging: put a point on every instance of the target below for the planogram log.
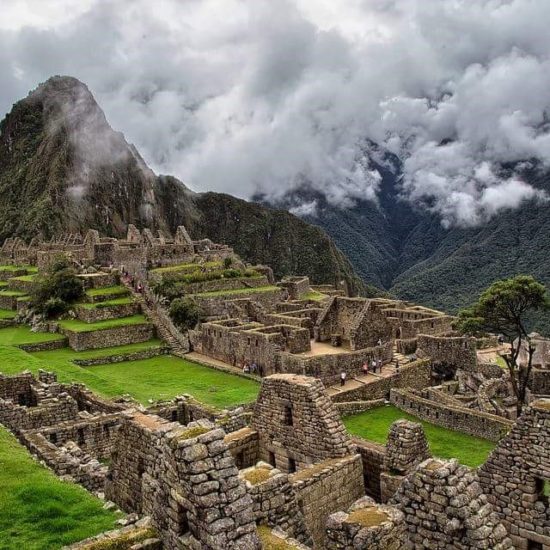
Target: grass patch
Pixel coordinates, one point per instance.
(12, 268)
(107, 291)
(374, 425)
(39, 511)
(368, 517)
(75, 325)
(237, 291)
(161, 377)
(187, 267)
(315, 296)
(25, 278)
(257, 475)
(12, 293)
(7, 314)
(15, 336)
(272, 542)
(108, 303)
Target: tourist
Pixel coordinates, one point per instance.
(373, 365)
(253, 367)
(379, 341)
(379, 366)
(139, 288)
(246, 368)
(397, 365)
(366, 368)
(343, 377)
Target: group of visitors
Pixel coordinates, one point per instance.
(128, 279)
(252, 368)
(376, 365)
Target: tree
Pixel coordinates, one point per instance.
(504, 308)
(57, 289)
(185, 313)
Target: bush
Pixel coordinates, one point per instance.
(185, 313)
(54, 307)
(59, 288)
(227, 262)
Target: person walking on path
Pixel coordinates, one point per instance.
(379, 366)
(366, 368)
(343, 376)
(374, 366)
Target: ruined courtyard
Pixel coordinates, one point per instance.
(241, 432)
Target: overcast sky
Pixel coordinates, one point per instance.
(244, 96)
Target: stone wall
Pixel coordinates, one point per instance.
(367, 525)
(346, 408)
(444, 507)
(122, 357)
(244, 446)
(328, 367)
(459, 352)
(185, 479)
(297, 423)
(515, 475)
(325, 488)
(297, 287)
(372, 457)
(274, 501)
(96, 314)
(118, 336)
(472, 422)
(411, 375)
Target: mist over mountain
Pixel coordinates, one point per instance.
(63, 168)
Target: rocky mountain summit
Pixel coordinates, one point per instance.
(63, 168)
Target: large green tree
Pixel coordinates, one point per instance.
(504, 308)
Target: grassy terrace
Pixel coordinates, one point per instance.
(108, 303)
(374, 425)
(187, 267)
(315, 296)
(12, 293)
(29, 268)
(237, 291)
(117, 290)
(161, 377)
(75, 325)
(7, 314)
(39, 511)
(25, 278)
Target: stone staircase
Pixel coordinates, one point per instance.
(397, 357)
(166, 330)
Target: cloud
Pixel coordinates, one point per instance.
(247, 97)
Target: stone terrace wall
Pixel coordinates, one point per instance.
(514, 476)
(415, 375)
(325, 488)
(460, 352)
(119, 336)
(17, 388)
(476, 423)
(95, 314)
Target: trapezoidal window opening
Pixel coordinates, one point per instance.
(288, 418)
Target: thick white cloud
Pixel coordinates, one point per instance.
(241, 96)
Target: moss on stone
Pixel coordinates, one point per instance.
(368, 517)
(190, 433)
(272, 542)
(256, 476)
(122, 542)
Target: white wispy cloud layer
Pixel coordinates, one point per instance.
(245, 97)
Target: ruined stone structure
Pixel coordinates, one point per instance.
(516, 475)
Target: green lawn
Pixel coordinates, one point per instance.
(116, 302)
(76, 325)
(25, 278)
(108, 291)
(444, 443)
(14, 336)
(30, 269)
(161, 377)
(186, 267)
(315, 296)
(7, 314)
(37, 510)
(237, 291)
(12, 293)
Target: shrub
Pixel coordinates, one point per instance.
(59, 288)
(185, 313)
(227, 262)
(54, 307)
